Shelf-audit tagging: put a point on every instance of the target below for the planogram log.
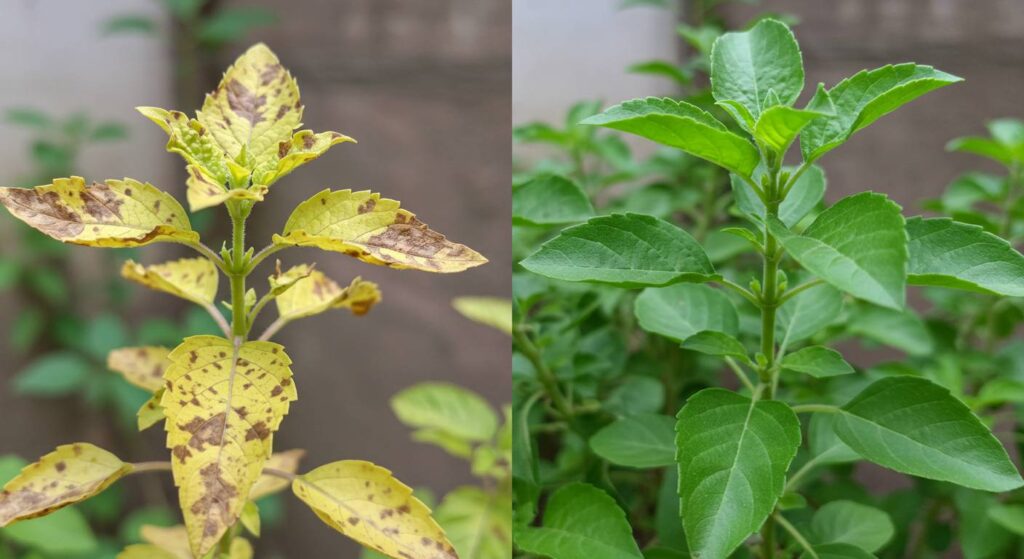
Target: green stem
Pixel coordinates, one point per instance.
(239, 324)
(800, 539)
(815, 408)
(544, 374)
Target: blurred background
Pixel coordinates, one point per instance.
(425, 89)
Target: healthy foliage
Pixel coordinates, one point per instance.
(223, 397)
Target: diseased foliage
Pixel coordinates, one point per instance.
(223, 397)
(630, 443)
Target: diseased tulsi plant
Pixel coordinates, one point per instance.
(734, 450)
(222, 398)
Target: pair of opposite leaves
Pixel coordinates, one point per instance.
(241, 142)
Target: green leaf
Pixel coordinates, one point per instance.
(53, 375)
(683, 126)
(808, 312)
(985, 148)
(448, 408)
(864, 98)
(550, 200)
(495, 312)
(778, 126)
(477, 522)
(947, 253)
(130, 24)
(662, 68)
(232, 24)
(680, 311)
(838, 551)
(733, 453)
(804, 196)
(916, 427)
(637, 441)
(826, 447)
(817, 361)
(980, 536)
(858, 245)
(625, 250)
(903, 330)
(716, 343)
(580, 521)
(1010, 517)
(636, 395)
(746, 66)
(848, 522)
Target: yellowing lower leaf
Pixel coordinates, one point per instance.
(146, 551)
(204, 191)
(70, 474)
(364, 502)
(250, 518)
(223, 403)
(302, 148)
(142, 366)
(240, 549)
(491, 311)
(112, 214)
(172, 539)
(314, 293)
(191, 140)
(192, 279)
(374, 230)
(255, 107)
(151, 412)
(285, 461)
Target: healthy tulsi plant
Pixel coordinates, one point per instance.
(735, 451)
(222, 397)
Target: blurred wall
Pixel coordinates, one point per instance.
(425, 89)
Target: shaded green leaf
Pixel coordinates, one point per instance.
(853, 523)
(903, 330)
(53, 375)
(680, 311)
(550, 200)
(947, 253)
(807, 312)
(637, 441)
(448, 408)
(817, 361)
(716, 343)
(804, 196)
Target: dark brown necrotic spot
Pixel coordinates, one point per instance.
(61, 466)
(367, 206)
(269, 73)
(244, 103)
(209, 431)
(215, 504)
(46, 212)
(259, 430)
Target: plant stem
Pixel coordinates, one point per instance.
(544, 374)
(740, 374)
(239, 323)
(800, 539)
(815, 408)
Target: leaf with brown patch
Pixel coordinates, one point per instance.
(142, 366)
(204, 191)
(114, 213)
(190, 139)
(364, 502)
(255, 108)
(303, 147)
(223, 403)
(315, 293)
(192, 279)
(374, 230)
(151, 412)
(70, 474)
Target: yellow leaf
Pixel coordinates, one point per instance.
(302, 148)
(285, 461)
(146, 551)
(172, 539)
(240, 549)
(223, 403)
(192, 279)
(112, 214)
(70, 474)
(255, 107)
(191, 140)
(204, 191)
(151, 412)
(315, 293)
(142, 366)
(364, 502)
(374, 230)
(250, 518)
(283, 281)
(495, 312)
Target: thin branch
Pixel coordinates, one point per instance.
(272, 329)
(262, 255)
(802, 287)
(219, 319)
(205, 251)
(792, 180)
(267, 297)
(740, 374)
(808, 466)
(739, 289)
(815, 408)
(796, 535)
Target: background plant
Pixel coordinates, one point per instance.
(735, 449)
(223, 397)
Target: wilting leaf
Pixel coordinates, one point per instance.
(223, 403)
(302, 148)
(364, 502)
(492, 311)
(142, 366)
(374, 230)
(313, 293)
(70, 474)
(192, 279)
(204, 191)
(284, 461)
(111, 214)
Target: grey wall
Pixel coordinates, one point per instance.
(425, 89)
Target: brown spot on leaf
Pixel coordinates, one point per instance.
(61, 466)
(46, 212)
(244, 103)
(276, 391)
(259, 430)
(367, 206)
(209, 431)
(353, 520)
(215, 504)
